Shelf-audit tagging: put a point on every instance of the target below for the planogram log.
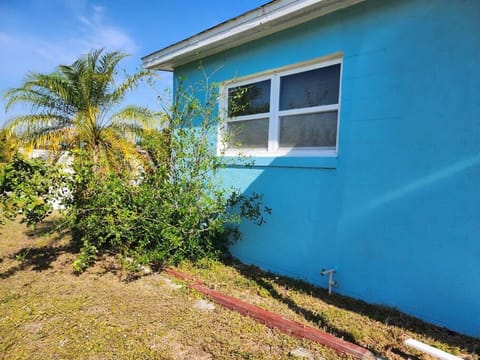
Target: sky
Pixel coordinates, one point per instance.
(38, 35)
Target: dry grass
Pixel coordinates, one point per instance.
(48, 312)
(380, 329)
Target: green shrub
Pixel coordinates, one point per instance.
(173, 209)
(28, 188)
(87, 256)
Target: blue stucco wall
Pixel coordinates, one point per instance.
(397, 213)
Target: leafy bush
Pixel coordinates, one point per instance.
(29, 188)
(173, 209)
(7, 146)
(87, 256)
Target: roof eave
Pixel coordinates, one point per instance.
(260, 22)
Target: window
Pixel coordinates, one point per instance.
(291, 112)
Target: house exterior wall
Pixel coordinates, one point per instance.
(397, 212)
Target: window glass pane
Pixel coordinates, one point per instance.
(309, 130)
(249, 99)
(310, 88)
(248, 134)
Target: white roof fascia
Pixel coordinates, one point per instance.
(262, 21)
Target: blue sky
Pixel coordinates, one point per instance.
(37, 35)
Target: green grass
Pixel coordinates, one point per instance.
(377, 328)
(46, 311)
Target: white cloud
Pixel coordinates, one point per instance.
(98, 9)
(23, 52)
(97, 33)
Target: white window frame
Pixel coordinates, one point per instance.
(275, 113)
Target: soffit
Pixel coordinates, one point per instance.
(265, 20)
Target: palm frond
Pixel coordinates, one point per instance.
(41, 92)
(38, 101)
(129, 83)
(108, 62)
(28, 124)
(118, 147)
(134, 114)
(129, 132)
(54, 138)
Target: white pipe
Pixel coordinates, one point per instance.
(330, 278)
(431, 350)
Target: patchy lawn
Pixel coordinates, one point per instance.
(380, 329)
(46, 311)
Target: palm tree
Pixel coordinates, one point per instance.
(77, 106)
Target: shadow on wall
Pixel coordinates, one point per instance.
(393, 237)
(273, 284)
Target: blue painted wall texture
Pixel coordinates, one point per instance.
(397, 213)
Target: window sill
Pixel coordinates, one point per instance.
(287, 161)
